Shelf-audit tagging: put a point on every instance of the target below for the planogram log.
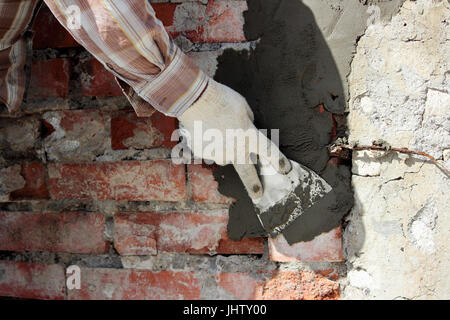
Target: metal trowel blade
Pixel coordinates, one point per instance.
(286, 197)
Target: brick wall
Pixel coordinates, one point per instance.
(85, 182)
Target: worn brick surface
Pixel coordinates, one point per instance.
(218, 21)
(299, 285)
(245, 246)
(147, 233)
(50, 78)
(279, 285)
(165, 12)
(73, 232)
(242, 286)
(10, 180)
(326, 247)
(35, 184)
(49, 33)
(76, 135)
(18, 136)
(128, 180)
(126, 284)
(204, 188)
(226, 22)
(221, 21)
(96, 81)
(130, 131)
(332, 273)
(31, 281)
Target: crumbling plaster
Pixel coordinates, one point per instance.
(397, 237)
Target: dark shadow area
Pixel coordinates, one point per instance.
(285, 79)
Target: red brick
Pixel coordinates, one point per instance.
(326, 247)
(245, 246)
(331, 274)
(11, 180)
(35, 185)
(242, 286)
(130, 131)
(49, 33)
(204, 188)
(146, 233)
(31, 281)
(97, 81)
(72, 232)
(50, 78)
(224, 23)
(80, 120)
(165, 12)
(75, 123)
(126, 284)
(299, 285)
(128, 180)
(279, 285)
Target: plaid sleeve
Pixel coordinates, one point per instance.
(133, 44)
(15, 16)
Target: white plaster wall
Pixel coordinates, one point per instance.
(397, 238)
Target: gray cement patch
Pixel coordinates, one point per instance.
(286, 77)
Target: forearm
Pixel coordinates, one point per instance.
(133, 44)
(15, 17)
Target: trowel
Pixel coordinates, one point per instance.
(287, 197)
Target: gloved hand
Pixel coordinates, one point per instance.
(221, 108)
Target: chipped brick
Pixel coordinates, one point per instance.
(219, 21)
(73, 232)
(10, 180)
(126, 284)
(130, 131)
(97, 81)
(200, 232)
(326, 247)
(31, 281)
(35, 184)
(49, 33)
(204, 188)
(76, 135)
(128, 180)
(279, 285)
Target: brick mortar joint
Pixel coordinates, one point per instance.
(94, 206)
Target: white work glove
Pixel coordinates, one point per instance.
(221, 108)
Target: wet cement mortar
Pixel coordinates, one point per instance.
(284, 79)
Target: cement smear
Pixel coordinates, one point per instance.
(287, 197)
(284, 79)
(292, 70)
